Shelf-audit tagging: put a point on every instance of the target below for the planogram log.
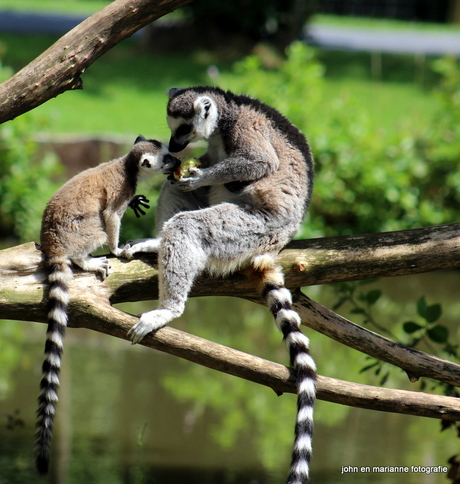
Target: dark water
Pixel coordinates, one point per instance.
(128, 414)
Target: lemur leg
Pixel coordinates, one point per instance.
(220, 238)
(133, 247)
(100, 265)
(180, 262)
(112, 227)
(170, 202)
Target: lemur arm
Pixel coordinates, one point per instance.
(240, 167)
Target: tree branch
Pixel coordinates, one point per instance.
(328, 260)
(369, 256)
(304, 262)
(104, 318)
(21, 297)
(60, 67)
(415, 362)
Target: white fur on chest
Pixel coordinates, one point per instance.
(216, 150)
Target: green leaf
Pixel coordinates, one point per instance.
(384, 378)
(433, 313)
(366, 281)
(451, 350)
(428, 313)
(445, 424)
(368, 367)
(415, 342)
(421, 307)
(373, 296)
(438, 334)
(410, 327)
(339, 303)
(357, 311)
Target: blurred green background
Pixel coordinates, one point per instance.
(384, 130)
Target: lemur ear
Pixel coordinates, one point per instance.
(173, 91)
(139, 139)
(203, 106)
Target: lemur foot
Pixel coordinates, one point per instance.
(132, 247)
(127, 252)
(150, 321)
(100, 265)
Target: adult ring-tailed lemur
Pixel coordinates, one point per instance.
(237, 211)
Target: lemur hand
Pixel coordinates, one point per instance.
(192, 182)
(137, 202)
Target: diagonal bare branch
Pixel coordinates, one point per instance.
(102, 317)
(61, 66)
(415, 362)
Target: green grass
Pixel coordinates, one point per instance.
(398, 94)
(91, 6)
(390, 106)
(60, 6)
(124, 91)
(382, 24)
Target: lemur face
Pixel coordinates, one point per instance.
(191, 117)
(154, 157)
(160, 163)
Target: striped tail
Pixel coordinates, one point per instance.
(58, 298)
(270, 283)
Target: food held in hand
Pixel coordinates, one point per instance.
(186, 164)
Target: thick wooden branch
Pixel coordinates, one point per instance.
(60, 67)
(21, 297)
(333, 259)
(305, 262)
(368, 256)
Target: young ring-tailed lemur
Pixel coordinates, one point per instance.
(83, 215)
(238, 210)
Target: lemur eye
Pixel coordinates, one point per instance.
(184, 129)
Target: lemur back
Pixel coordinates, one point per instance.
(83, 215)
(237, 211)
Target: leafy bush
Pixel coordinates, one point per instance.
(25, 184)
(367, 179)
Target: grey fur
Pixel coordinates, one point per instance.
(236, 212)
(83, 215)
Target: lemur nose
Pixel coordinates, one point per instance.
(146, 163)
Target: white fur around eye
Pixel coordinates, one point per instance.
(147, 162)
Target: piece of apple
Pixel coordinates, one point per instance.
(186, 164)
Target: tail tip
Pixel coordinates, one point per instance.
(42, 464)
